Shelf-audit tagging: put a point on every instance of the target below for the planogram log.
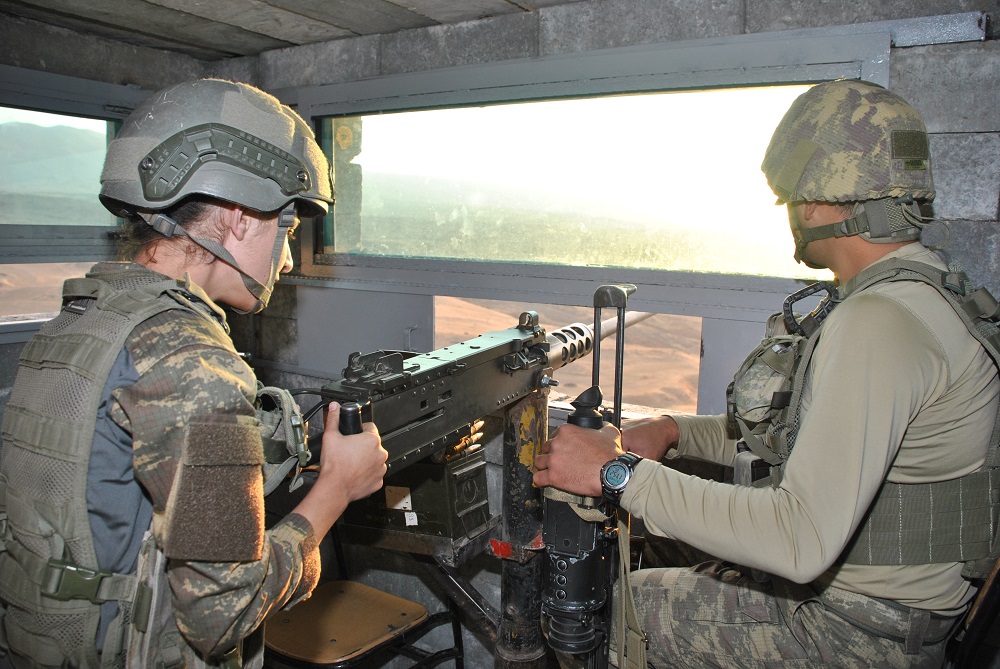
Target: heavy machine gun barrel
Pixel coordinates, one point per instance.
(423, 403)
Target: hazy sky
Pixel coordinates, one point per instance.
(8, 115)
(632, 151)
(666, 159)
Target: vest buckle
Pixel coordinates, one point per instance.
(64, 581)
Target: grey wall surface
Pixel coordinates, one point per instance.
(955, 86)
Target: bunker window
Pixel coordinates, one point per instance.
(50, 176)
(663, 181)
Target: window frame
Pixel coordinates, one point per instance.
(60, 94)
(793, 57)
(858, 51)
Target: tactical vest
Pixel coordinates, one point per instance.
(48, 567)
(49, 572)
(764, 403)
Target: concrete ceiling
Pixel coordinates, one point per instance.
(217, 29)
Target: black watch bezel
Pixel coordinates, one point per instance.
(611, 492)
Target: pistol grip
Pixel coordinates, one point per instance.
(350, 418)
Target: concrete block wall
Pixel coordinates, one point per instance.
(36, 46)
(955, 88)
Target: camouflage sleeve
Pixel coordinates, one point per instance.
(217, 604)
(197, 453)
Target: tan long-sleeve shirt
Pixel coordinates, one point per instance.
(897, 389)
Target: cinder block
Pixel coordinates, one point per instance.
(490, 40)
(246, 70)
(241, 331)
(322, 63)
(36, 46)
(953, 85)
(284, 302)
(767, 15)
(974, 245)
(602, 25)
(966, 175)
(278, 340)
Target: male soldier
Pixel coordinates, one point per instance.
(890, 403)
(132, 411)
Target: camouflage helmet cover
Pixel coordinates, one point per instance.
(217, 138)
(849, 141)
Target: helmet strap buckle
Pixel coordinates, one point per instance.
(165, 225)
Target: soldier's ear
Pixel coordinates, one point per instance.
(235, 220)
(809, 211)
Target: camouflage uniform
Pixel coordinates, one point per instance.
(189, 414)
(226, 573)
(930, 419)
(713, 615)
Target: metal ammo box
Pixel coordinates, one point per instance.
(427, 498)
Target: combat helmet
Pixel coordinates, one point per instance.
(220, 139)
(852, 141)
(223, 139)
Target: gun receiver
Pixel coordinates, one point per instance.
(423, 403)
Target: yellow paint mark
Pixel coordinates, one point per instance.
(530, 437)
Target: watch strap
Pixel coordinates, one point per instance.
(629, 460)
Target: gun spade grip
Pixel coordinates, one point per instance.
(350, 418)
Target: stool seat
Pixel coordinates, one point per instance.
(342, 620)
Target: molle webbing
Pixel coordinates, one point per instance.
(768, 431)
(946, 521)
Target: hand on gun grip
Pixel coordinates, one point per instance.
(360, 465)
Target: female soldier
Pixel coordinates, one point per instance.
(132, 410)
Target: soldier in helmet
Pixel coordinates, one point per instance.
(132, 472)
(861, 435)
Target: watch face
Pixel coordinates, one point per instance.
(616, 475)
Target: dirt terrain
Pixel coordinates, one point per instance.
(661, 353)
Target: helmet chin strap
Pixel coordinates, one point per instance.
(168, 227)
(887, 220)
(800, 248)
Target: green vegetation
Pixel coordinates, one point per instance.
(417, 217)
(50, 175)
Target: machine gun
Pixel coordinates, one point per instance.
(429, 405)
(424, 403)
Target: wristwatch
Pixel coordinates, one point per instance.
(615, 475)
